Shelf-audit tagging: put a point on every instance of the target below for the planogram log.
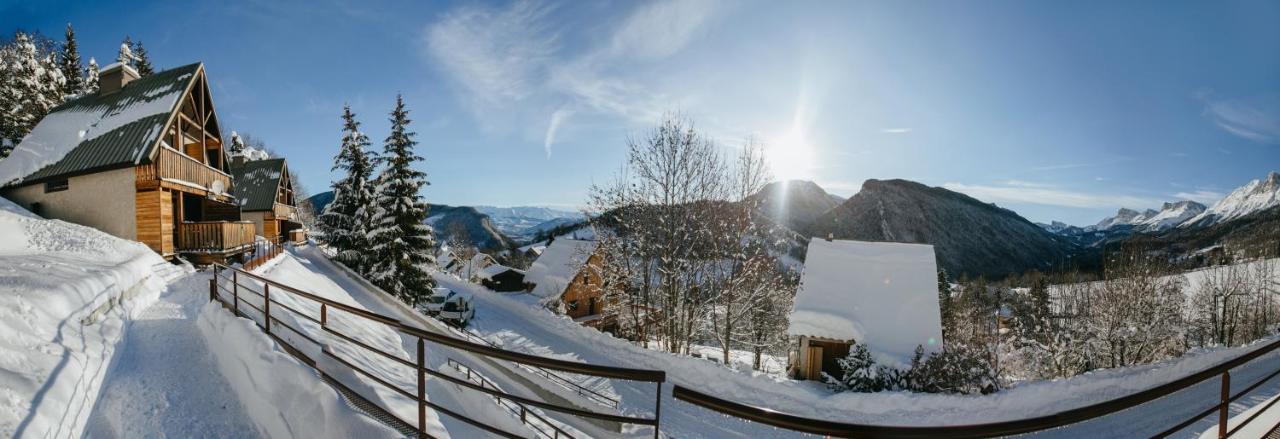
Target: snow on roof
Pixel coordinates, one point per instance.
(882, 294)
(81, 121)
(558, 265)
(494, 270)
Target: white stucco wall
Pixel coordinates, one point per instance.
(103, 200)
(257, 218)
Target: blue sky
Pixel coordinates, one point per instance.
(1058, 110)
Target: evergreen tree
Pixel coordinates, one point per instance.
(30, 86)
(344, 224)
(141, 62)
(90, 77)
(71, 66)
(403, 242)
(860, 372)
(944, 300)
(237, 144)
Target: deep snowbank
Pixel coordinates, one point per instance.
(66, 293)
(282, 396)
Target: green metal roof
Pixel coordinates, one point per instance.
(256, 183)
(133, 120)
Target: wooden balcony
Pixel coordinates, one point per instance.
(175, 170)
(215, 236)
(284, 212)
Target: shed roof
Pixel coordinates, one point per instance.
(559, 263)
(882, 294)
(99, 132)
(257, 182)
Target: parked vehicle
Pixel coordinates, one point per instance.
(436, 301)
(457, 309)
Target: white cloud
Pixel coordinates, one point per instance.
(1200, 196)
(1256, 118)
(498, 55)
(895, 130)
(557, 118)
(513, 55)
(1051, 196)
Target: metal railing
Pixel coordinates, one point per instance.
(556, 378)
(527, 417)
(264, 250)
(840, 429)
(227, 288)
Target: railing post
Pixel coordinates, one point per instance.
(324, 314)
(235, 290)
(1222, 409)
(657, 411)
(422, 389)
(266, 305)
(213, 287)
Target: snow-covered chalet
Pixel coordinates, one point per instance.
(141, 159)
(568, 272)
(881, 294)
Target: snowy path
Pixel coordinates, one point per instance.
(163, 381)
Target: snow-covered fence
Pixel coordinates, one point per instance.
(235, 290)
(839, 429)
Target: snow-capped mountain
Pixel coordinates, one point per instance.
(1256, 196)
(1150, 220)
(795, 203)
(523, 222)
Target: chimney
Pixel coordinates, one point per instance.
(114, 77)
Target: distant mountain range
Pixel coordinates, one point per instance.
(970, 237)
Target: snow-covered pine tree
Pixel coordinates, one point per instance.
(861, 374)
(403, 242)
(30, 85)
(237, 144)
(141, 61)
(71, 66)
(344, 224)
(90, 77)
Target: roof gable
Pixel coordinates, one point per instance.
(257, 183)
(882, 294)
(99, 132)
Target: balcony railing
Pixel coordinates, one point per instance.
(214, 236)
(284, 211)
(173, 165)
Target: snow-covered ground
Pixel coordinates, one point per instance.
(67, 293)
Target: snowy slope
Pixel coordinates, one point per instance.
(66, 295)
(1256, 196)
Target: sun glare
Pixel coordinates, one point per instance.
(791, 157)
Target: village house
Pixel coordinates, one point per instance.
(141, 159)
(501, 278)
(265, 193)
(567, 275)
(881, 294)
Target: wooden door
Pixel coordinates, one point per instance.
(813, 368)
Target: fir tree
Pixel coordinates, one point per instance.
(90, 77)
(30, 86)
(344, 224)
(71, 66)
(402, 241)
(944, 301)
(861, 374)
(141, 62)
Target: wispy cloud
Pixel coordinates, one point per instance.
(895, 130)
(1200, 196)
(1256, 118)
(513, 54)
(1051, 196)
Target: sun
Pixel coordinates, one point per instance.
(790, 157)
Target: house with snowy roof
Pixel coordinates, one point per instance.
(141, 159)
(568, 273)
(881, 294)
(265, 193)
(501, 278)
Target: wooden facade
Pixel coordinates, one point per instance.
(817, 355)
(584, 296)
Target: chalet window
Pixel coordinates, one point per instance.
(586, 278)
(56, 186)
(572, 305)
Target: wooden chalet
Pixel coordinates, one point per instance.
(266, 197)
(141, 159)
(881, 294)
(569, 272)
(501, 278)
